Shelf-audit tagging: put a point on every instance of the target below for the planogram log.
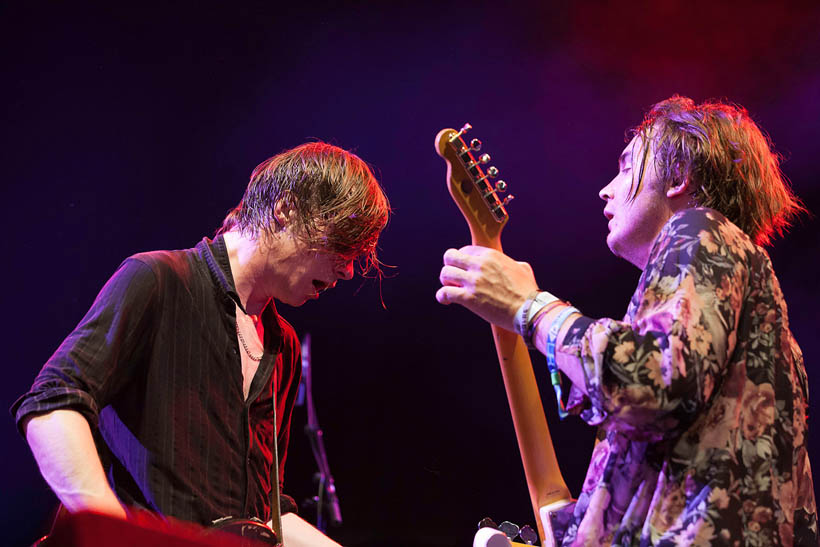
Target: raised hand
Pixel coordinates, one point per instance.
(486, 282)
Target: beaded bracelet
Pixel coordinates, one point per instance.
(552, 335)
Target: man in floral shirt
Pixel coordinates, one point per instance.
(700, 391)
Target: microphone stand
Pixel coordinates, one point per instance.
(327, 488)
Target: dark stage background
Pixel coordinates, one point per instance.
(128, 129)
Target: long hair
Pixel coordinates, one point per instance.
(729, 162)
(340, 206)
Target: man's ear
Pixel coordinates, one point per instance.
(283, 212)
(679, 188)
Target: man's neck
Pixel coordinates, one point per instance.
(244, 257)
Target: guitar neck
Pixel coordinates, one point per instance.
(486, 217)
(544, 478)
(545, 483)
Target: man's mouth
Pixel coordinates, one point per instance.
(319, 286)
(609, 216)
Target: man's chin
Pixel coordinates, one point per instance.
(293, 302)
(313, 296)
(611, 243)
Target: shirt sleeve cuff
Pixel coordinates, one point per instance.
(578, 403)
(43, 402)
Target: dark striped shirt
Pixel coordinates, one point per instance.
(154, 367)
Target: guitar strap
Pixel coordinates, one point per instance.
(275, 507)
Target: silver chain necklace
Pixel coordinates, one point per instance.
(245, 345)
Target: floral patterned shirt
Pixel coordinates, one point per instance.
(701, 395)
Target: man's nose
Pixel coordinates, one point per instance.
(345, 271)
(606, 192)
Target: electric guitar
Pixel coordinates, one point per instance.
(143, 528)
(470, 186)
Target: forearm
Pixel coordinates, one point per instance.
(568, 363)
(64, 449)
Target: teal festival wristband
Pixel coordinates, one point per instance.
(555, 376)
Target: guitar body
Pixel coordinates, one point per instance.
(486, 217)
(88, 529)
(250, 529)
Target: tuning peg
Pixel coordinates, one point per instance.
(464, 128)
(484, 158)
(475, 145)
(507, 200)
(501, 186)
(492, 171)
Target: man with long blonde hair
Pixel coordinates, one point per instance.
(700, 391)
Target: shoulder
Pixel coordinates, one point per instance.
(704, 232)
(699, 246)
(154, 273)
(692, 221)
(167, 268)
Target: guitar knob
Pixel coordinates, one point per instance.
(501, 186)
(484, 158)
(475, 145)
(510, 529)
(507, 200)
(492, 172)
(528, 535)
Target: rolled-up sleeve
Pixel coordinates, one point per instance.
(96, 358)
(649, 375)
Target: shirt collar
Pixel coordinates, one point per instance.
(215, 253)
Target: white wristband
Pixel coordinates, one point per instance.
(529, 309)
(541, 299)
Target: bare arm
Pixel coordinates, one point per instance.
(64, 449)
(300, 533)
(65, 452)
(567, 362)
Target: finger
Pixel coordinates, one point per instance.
(475, 250)
(452, 276)
(450, 295)
(454, 257)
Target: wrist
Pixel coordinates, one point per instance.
(532, 329)
(106, 503)
(527, 313)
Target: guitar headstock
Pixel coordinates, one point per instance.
(470, 186)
